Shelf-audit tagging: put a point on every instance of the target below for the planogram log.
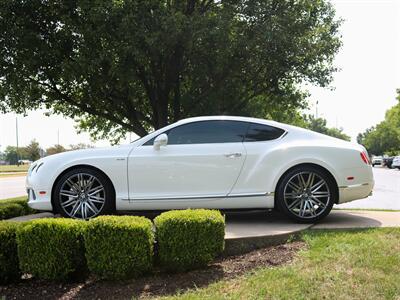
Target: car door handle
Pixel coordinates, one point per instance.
(233, 155)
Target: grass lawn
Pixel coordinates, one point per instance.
(14, 168)
(9, 174)
(363, 264)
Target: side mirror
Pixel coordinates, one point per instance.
(161, 140)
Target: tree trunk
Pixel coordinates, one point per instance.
(177, 102)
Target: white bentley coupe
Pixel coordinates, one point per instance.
(218, 162)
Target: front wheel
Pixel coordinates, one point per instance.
(83, 193)
(306, 194)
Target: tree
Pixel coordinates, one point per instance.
(33, 150)
(133, 66)
(384, 138)
(12, 155)
(55, 149)
(320, 125)
(80, 146)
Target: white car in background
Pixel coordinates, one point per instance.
(218, 162)
(377, 160)
(396, 162)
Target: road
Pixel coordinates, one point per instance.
(386, 194)
(11, 187)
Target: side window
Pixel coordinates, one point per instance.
(150, 142)
(204, 132)
(259, 132)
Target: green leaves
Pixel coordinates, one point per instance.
(11, 208)
(119, 247)
(110, 247)
(9, 269)
(131, 66)
(51, 248)
(319, 125)
(384, 138)
(189, 239)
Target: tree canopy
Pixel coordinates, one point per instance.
(31, 152)
(136, 65)
(320, 125)
(384, 138)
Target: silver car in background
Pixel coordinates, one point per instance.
(396, 162)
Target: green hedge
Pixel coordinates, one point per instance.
(14, 207)
(119, 247)
(51, 248)
(189, 239)
(9, 269)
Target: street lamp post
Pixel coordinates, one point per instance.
(16, 133)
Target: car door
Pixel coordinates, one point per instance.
(201, 160)
(260, 168)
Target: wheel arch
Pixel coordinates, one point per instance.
(321, 168)
(76, 167)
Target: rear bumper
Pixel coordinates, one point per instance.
(355, 192)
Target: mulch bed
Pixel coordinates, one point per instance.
(157, 284)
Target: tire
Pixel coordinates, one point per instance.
(306, 200)
(84, 193)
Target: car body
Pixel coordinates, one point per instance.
(396, 162)
(217, 162)
(377, 160)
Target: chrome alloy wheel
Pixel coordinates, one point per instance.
(82, 196)
(307, 195)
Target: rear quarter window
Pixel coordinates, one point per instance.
(260, 132)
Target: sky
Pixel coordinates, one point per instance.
(361, 92)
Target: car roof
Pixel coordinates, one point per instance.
(233, 118)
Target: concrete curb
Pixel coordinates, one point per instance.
(32, 217)
(237, 246)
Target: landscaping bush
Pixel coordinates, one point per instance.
(14, 207)
(119, 247)
(51, 248)
(9, 269)
(188, 239)
(10, 210)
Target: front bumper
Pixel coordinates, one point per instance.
(38, 198)
(355, 192)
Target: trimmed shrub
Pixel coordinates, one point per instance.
(119, 247)
(188, 239)
(10, 210)
(14, 207)
(51, 248)
(9, 269)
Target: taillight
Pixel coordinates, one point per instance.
(365, 158)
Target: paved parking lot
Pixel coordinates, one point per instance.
(386, 194)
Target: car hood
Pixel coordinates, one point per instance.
(120, 150)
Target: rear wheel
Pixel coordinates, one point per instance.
(83, 193)
(306, 194)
